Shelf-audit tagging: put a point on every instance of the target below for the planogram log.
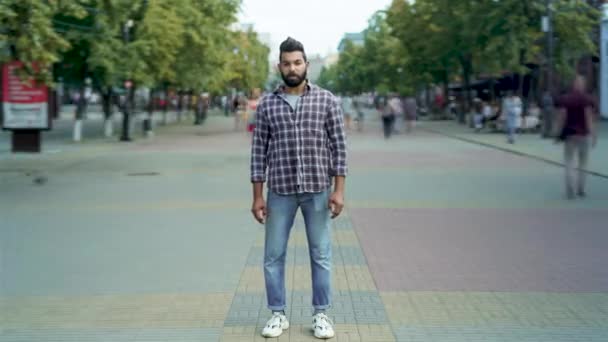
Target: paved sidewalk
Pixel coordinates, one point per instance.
(442, 240)
(530, 144)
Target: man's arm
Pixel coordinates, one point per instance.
(258, 209)
(337, 144)
(559, 123)
(591, 124)
(336, 199)
(259, 151)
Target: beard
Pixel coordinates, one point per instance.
(293, 80)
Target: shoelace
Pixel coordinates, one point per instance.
(275, 321)
(326, 321)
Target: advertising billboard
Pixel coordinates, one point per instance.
(25, 105)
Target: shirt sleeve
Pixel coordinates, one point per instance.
(259, 146)
(337, 140)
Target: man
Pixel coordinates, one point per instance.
(575, 126)
(346, 103)
(390, 113)
(299, 137)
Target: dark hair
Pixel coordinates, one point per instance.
(291, 45)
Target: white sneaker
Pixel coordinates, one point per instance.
(322, 326)
(275, 325)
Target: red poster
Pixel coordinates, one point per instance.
(24, 104)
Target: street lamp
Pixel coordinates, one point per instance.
(126, 120)
(547, 26)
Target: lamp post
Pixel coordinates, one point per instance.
(547, 98)
(126, 117)
(548, 29)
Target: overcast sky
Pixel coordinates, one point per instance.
(318, 24)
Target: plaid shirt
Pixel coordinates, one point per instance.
(301, 149)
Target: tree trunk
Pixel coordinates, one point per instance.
(166, 103)
(81, 104)
(147, 124)
(465, 62)
(180, 105)
(446, 93)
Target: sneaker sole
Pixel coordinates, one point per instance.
(286, 326)
(324, 337)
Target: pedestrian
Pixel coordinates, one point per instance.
(252, 104)
(299, 138)
(477, 114)
(410, 113)
(511, 109)
(240, 111)
(202, 107)
(392, 109)
(387, 115)
(224, 104)
(575, 127)
(358, 107)
(347, 110)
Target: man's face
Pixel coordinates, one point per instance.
(293, 68)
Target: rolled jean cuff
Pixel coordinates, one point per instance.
(322, 307)
(276, 308)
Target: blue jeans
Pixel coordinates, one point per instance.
(511, 129)
(281, 211)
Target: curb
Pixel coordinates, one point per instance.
(519, 153)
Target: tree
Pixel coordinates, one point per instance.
(486, 36)
(247, 67)
(201, 60)
(29, 34)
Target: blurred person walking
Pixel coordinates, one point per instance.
(347, 110)
(575, 127)
(359, 107)
(252, 105)
(389, 110)
(511, 109)
(410, 113)
(202, 107)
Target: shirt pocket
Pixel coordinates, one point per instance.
(314, 121)
(315, 137)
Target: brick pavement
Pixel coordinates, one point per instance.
(442, 241)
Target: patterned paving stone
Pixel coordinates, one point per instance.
(110, 335)
(516, 250)
(135, 311)
(341, 312)
(245, 309)
(500, 334)
(518, 310)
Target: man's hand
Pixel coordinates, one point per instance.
(336, 203)
(258, 209)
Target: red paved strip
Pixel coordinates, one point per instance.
(485, 249)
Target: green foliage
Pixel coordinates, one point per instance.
(439, 41)
(185, 43)
(27, 30)
(247, 66)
